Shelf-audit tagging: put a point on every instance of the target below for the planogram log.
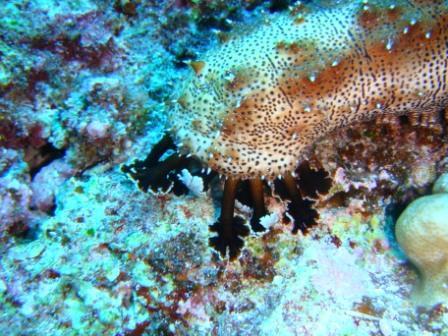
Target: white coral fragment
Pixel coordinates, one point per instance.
(269, 220)
(193, 183)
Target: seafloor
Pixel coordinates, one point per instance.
(85, 87)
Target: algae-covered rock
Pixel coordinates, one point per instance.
(422, 232)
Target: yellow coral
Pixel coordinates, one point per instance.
(422, 232)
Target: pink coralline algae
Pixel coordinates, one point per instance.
(47, 181)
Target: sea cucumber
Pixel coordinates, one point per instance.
(259, 101)
(254, 106)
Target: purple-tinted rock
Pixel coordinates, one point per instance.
(46, 183)
(15, 193)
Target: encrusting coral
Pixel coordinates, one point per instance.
(422, 232)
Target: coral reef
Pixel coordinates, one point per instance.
(86, 88)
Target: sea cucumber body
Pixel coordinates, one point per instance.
(258, 102)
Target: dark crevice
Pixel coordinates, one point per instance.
(212, 22)
(304, 215)
(443, 119)
(52, 210)
(392, 212)
(243, 194)
(279, 5)
(280, 189)
(19, 229)
(403, 120)
(47, 154)
(128, 8)
(80, 174)
(182, 57)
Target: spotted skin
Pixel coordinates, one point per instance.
(258, 102)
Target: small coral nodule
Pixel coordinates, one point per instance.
(422, 232)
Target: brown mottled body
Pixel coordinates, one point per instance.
(258, 102)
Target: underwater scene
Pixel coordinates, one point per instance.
(224, 168)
